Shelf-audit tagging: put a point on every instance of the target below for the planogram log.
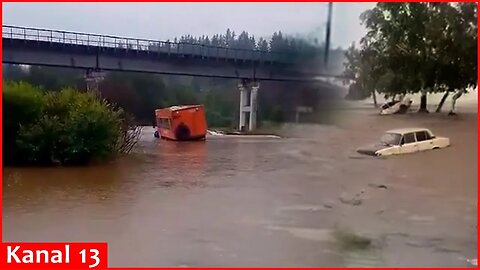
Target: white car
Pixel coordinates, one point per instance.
(395, 107)
(403, 141)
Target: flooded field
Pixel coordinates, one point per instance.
(305, 200)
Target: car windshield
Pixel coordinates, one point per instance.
(391, 139)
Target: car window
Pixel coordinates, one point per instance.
(409, 137)
(421, 136)
(390, 138)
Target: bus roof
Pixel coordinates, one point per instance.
(179, 108)
(184, 107)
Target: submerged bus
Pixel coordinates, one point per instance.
(181, 123)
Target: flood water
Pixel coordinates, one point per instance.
(233, 201)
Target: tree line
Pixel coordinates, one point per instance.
(277, 43)
(297, 50)
(415, 48)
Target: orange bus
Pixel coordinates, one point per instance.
(181, 123)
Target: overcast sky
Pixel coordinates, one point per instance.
(163, 21)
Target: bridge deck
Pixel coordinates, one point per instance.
(106, 42)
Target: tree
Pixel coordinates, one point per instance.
(262, 45)
(458, 44)
(360, 67)
(277, 44)
(416, 48)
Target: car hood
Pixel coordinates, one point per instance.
(370, 149)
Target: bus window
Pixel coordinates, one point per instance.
(165, 123)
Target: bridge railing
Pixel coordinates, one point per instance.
(134, 44)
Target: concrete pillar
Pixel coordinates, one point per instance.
(243, 102)
(248, 106)
(253, 107)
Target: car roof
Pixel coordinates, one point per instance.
(408, 130)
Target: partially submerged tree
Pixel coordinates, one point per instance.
(415, 48)
(458, 70)
(358, 68)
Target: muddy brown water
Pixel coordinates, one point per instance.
(263, 201)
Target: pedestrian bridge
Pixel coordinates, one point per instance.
(34, 46)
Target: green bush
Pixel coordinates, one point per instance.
(65, 127)
(22, 104)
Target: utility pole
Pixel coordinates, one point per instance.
(327, 38)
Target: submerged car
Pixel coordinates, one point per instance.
(396, 107)
(403, 141)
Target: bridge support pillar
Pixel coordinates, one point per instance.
(248, 106)
(243, 103)
(253, 107)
